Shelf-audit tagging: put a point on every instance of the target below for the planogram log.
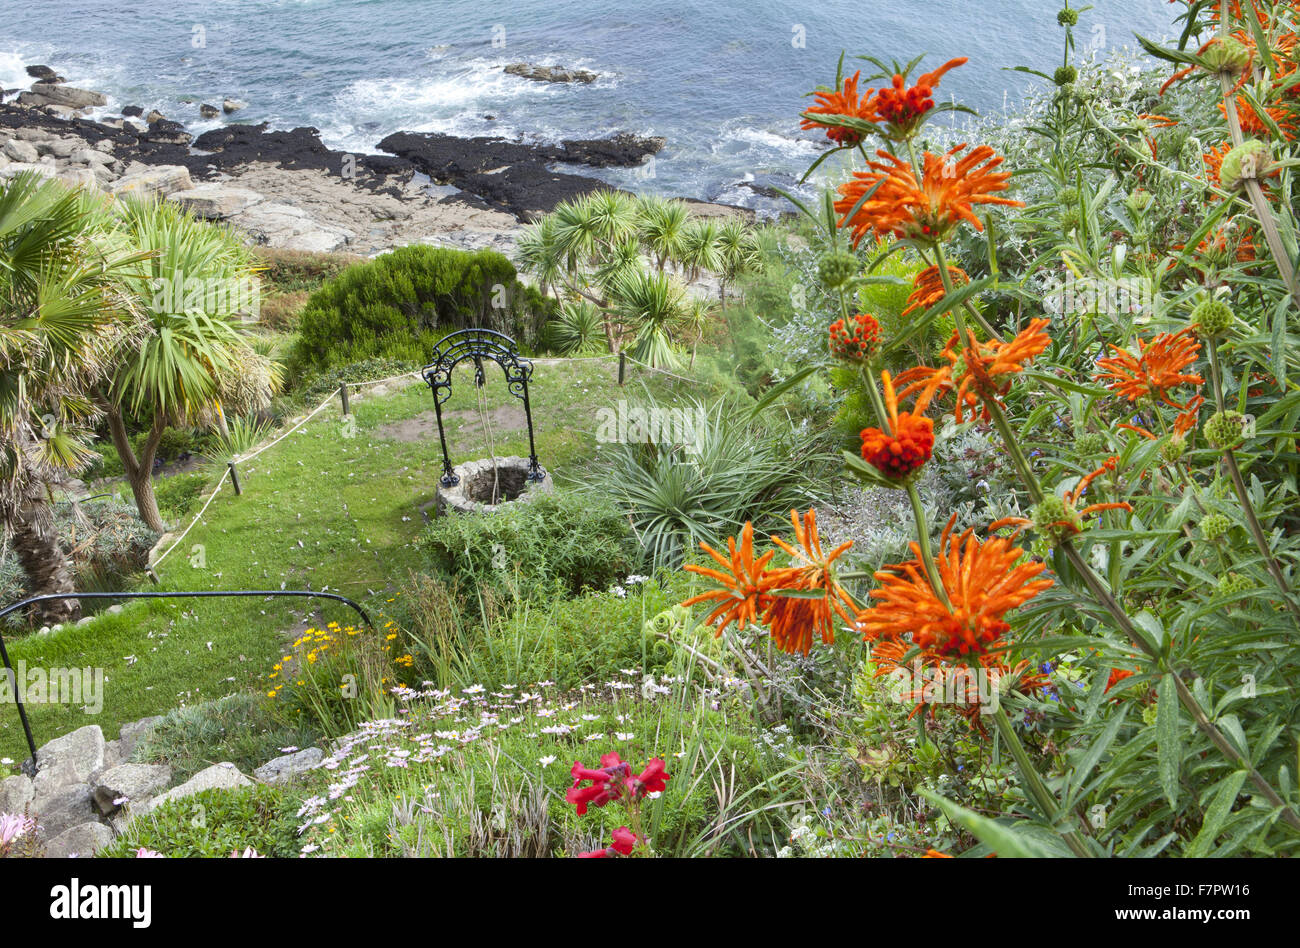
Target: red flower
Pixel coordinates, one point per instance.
(606, 783)
(623, 843)
(651, 780)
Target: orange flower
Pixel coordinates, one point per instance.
(935, 854)
(749, 589)
(928, 287)
(843, 101)
(792, 620)
(744, 585)
(1116, 676)
(1254, 126)
(928, 210)
(981, 372)
(1213, 160)
(1156, 369)
(982, 581)
(905, 109)
(1186, 420)
(861, 344)
(908, 443)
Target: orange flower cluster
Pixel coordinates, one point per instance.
(981, 371)
(981, 582)
(900, 206)
(908, 443)
(843, 101)
(859, 345)
(902, 110)
(750, 591)
(1157, 368)
(928, 288)
(1071, 521)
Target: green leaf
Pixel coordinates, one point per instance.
(1002, 839)
(1216, 813)
(1169, 744)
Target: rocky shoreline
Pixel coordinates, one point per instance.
(287, 189)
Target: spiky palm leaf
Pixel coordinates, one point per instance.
(576, 330)
(661, 225)
(649, 303)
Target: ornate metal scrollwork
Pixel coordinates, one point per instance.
(478, 345)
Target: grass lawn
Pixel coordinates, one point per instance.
(320, 511)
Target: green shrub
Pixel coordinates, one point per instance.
(243, 729)
(177, 494)
(216, 823)
(552, 541)
(316, 387)
(400, 304)
(590, 638)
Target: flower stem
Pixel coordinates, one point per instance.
(1243, 498)
(1034, 785)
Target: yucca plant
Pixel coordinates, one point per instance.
(701, 249)
(728, 468)
(62, 322)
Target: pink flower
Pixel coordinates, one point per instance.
(143, 853)
(12, 827)
(249, 853)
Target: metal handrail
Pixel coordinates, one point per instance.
(207, 594)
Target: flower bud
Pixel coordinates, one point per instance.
(1067, 17)
(1212, 319)
(1249, 160)
(836, 269)
(1214, 526)
(1065, 75)
(1226, 55)
(1089, 443)
(1225, 429)
(1233, 583)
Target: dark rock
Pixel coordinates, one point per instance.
(550, 73)
(515, 176)
(44, 74)
(132, 111)
(168, 133)
(209, 111)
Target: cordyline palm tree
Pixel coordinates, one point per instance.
(195, 363)
(660, 225)
(63, 321)
(700, 249)
(739, 252)
(649, 304)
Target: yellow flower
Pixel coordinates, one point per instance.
(270, 694)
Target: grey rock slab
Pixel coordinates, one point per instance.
(223, 776)
(83, 840)
(287, 767)
(15, 794)
(161, 180)
(215, 201)
(63, 809)
(127, 783)
(20, 150)
(69, 759)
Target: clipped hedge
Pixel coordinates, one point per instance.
(400, 304)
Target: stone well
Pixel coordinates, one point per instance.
(474, 492)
